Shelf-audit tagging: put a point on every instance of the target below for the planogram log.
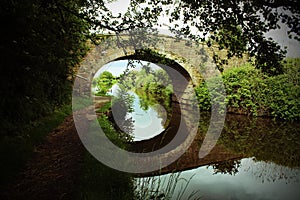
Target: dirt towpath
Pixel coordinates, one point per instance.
(54, 169)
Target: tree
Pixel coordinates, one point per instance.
(40, 43)
(104, 82)
(237, 26)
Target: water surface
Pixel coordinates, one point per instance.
(146, 122)
(270, 168)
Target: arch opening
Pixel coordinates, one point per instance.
(140, 97)
(167, 106)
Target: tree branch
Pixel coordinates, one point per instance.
(279, 3)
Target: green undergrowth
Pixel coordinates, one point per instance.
(99, 181)
(15, 150)
(251, 92)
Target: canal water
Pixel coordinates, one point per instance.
(253, 180)
(146, 123)
(270, 169)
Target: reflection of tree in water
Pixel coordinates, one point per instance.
(152, 86)
(274, 144)
(265, 139)
(228, 167)
(271, 172)
(122, 104)
(162, 113)
(161, 104)
(263, 171)
(262, 138)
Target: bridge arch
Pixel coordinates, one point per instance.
(184, 103)
(190, 60)
(186, 62)
(180, 79)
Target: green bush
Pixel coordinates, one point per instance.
(245, 90)
(211, 93)
(284, 97)
(251, 92)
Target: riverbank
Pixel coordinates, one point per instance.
(59, 167)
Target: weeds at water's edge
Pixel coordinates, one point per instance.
(102, 182)
(164, 187)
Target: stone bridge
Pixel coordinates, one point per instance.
(192, 61)
(192, 65)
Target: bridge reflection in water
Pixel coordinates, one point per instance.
(254, 159)
(264, 139)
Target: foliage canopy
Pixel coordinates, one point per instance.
(42, 41)
(236, 26)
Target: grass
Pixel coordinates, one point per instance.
(16, 150)
(99, 181)
(165, 187)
